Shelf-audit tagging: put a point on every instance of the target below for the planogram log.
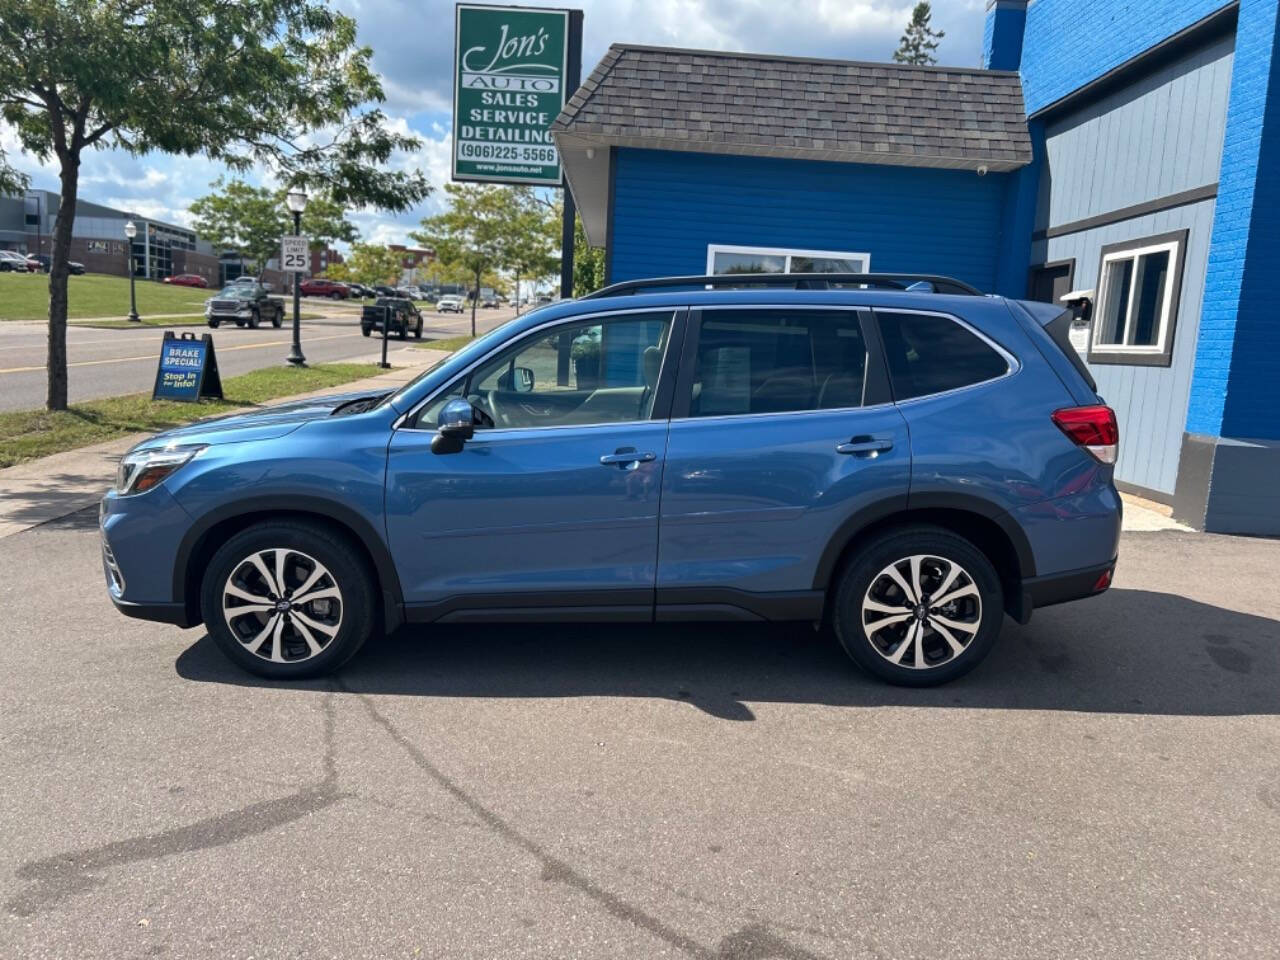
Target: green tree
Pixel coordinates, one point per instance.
(588, 262)
(11, 181)
(369, 264)
(920, 40)
(470, 235)
(251, 220)
(530, 238)
(274, 84)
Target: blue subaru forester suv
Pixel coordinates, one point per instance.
(897, 457)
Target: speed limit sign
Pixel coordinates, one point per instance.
(294, 254)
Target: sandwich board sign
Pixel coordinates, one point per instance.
(295, 254)
(510, 71)
(188, 369)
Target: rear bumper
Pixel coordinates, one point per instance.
(1061, 588)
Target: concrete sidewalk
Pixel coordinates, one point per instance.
(61, 484)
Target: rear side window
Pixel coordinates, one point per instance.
(928, 353)
(774, 361)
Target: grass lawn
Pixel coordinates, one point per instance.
(27, 434)
(25, 296)
(451, 344)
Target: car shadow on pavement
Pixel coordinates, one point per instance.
(1128, 651)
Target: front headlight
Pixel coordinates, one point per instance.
(139, 472)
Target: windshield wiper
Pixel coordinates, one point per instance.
(360, 404)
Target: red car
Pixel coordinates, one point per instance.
(187, 280)
(315, 287)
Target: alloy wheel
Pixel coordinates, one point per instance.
(921, 612)
(282, 605)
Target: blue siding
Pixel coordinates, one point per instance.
(1235, 391)
(1157, 137)
(1150, 402)
(669, 206)
(1070, 43)
(1160, 135)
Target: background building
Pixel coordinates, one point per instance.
(97, 238)
(1131, 150)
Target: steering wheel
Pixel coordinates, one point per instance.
(500, 416)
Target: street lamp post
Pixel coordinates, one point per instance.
(296, 200)
(131, 231)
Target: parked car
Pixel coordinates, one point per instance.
(402, 315)
(245, 305)
(382, 290)
(360, 292)
(187, 280)
(46, 261)
(413, 292)
(490, 302)
(450, 304)
(34, 264)
(319, 287)
(13, 262)
(75, 267)
(905, 466)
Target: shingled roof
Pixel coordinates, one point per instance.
(763, 105)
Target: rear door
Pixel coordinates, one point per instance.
(782, 429)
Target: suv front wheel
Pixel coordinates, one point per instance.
(918, 606)
(288, 599)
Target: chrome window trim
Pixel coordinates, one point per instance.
(399, 424)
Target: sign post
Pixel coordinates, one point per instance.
(188, 369)
(513, 70)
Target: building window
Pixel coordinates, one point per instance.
(729, 260)
(1136, 308)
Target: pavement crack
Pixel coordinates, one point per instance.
(751, 943)
(57, 878)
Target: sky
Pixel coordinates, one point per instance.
(412, 47)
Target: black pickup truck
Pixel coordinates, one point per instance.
(403, 317)
(245, 305)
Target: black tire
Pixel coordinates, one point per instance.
(254, 320)
(347, 569)
(402, 332)
(366, 330)
(335, 296)
(277, 319)
(214, 323)
(871, 649)
(417, 332)
(240, 323)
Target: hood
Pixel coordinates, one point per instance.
(263, 423)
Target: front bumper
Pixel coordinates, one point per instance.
(140, 539)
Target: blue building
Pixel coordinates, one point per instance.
(1122, 150)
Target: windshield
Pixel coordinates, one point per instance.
(475, 348)
(234, 290)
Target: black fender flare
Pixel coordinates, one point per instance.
(905, 505)
(360, 527)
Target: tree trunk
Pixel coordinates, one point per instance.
(474, 301)
(60, 253)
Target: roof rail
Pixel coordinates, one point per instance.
(916, 282)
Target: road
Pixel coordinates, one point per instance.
(105, 362)
(1105, 785)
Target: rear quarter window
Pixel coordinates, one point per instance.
(930, 353)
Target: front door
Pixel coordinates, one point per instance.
(782, 431)
(554, 502)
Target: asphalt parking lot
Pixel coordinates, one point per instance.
(1107, 784)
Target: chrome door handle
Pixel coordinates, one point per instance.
(625, 457)
(865, 446)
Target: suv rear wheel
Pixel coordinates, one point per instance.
(918, 606)
(288, 599)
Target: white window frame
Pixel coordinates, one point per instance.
(1175, 244)
(786, 252)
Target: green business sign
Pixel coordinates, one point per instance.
(510, 65)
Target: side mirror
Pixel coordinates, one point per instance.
(455, 426)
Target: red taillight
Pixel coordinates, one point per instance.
(1093, 428)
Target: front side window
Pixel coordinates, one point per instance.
(773, 361)
(930, 353)
(1137, 301)
(597, 371)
